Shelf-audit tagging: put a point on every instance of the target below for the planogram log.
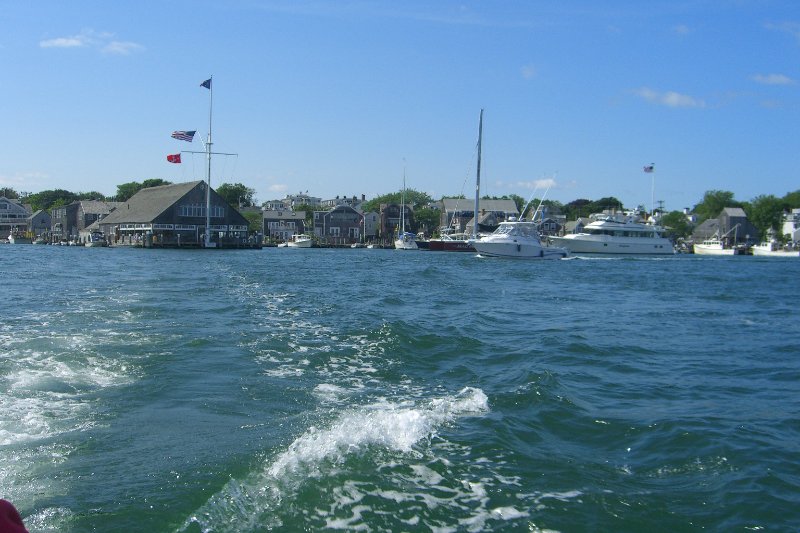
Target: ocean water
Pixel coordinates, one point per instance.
(378, 390)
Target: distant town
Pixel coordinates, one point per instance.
(159, 213)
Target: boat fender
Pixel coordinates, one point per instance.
(541, 253)
(519, 247)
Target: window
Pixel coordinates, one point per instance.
(198, 210)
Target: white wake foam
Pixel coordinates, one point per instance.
(246, 505)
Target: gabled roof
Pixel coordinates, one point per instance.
(147, 204)
(98, 207)
(734, 212)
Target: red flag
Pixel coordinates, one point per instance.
(174, 158)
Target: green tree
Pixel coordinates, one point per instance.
(255, 221)
(154, 182)
(765, 212)
(577, 208)
(677, 224)
(9, 193)
(413, 198)
(91, 195)
(127, 190)
(51, 198)
(713, 203)
(427, 219)
(791, 200)
(237, 194)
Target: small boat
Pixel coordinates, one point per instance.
(716, 245)
(712, 246)
(774, 249)
(517, 239)
(96, 239)
(300, 241)
(404, 240)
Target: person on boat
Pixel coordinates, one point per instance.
(10, 521)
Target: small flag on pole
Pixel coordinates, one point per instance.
(183, 135)
(174, 158)
(649, 168)
(206, 84)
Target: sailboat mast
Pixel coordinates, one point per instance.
(403, 204)
(478, 178)
(208, 160)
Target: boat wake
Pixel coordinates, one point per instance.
(250, 504)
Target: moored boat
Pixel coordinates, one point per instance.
(517, 239)
(300, 241)
(617, 233)
(773, 248)
(96, 239)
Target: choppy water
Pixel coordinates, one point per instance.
(378, 390)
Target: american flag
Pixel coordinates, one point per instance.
(183, 135)
(649, 168)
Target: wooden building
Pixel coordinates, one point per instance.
(175, 216)
(339, 226)
(13, 217)
(280, 225)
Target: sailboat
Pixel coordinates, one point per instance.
(461, 243)
(404, 240)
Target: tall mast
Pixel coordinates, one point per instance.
(478, 178)
(209, 85)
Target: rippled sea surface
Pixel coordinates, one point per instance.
(381, 390)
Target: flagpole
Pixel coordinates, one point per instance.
(208, 159)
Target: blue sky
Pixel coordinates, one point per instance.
(338, 98)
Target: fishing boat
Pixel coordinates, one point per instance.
(773, 248)
(299, 241)
(405, 240)
(716, 245)
(617, 233)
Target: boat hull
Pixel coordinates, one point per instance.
(769, 252)
(519, 250)
(699, 249)
(590, 244)
(438, 245)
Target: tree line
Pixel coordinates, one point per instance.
(764, 211)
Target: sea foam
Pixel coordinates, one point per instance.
(245, 505)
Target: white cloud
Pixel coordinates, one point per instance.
(64, 42)
(792, 28)
(669, 98)
(682, 29)
(92, 39)
(278, 187)
(773, 79)
(122, 48)
(528, 72)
